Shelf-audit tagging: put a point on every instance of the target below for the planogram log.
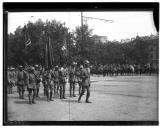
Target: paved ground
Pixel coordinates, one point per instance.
(122, 98)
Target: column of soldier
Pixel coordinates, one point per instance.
(53, 80)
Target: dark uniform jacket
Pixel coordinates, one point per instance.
(21, 78)
(31, 81)
(72, 75)
(85, 75)
(63, 76)
(56, 76)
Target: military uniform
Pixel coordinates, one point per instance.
(62, 82)
(21, 83)
(78, 73)
(37, 73)
(85, 75)
(56, 81)
(48, 85)
(72, 81)
(31, 86)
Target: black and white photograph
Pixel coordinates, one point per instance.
(80, 65)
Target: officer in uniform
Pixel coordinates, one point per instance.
(31, 82)
(62, 81)
(56, 80)
(21, 82)
(37, 73)
(72, 79)
(85, 75)
(48, 86)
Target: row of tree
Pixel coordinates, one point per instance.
(79, 45)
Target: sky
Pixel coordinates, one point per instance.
(126, 24)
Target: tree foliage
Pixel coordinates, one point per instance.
(79, 46)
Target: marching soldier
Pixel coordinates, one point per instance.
(21, 82)
(85, 75)
(72, 80)
(31, 85)
(62, 81)
(37, 73)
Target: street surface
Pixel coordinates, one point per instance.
(121, 98)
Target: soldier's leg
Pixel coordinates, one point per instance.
(20, 91)
(60, 90)
(57, 88)
(54, 88)
(51, 93)
(23, 90)
(82, 92)
(37, 93)
(80, 88)
(47, 93)
(88, 95)
(74, 90)
(64, 88)
(70, 89)
(34, 96)
(29, 95)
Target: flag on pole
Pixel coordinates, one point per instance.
(28, 42)
(49, 59)
(27, 37)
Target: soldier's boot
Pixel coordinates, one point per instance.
(23, 94)
(57, 90)
(33, 100)
(37, 92)
(47, 94)
(20, 96)
(79, 99)
(63, 93)
(87, 97)
(54, 90)
(79, 90)
(70, 91)
(44, 92)
(51, 96)
(29, 97)
(74, 91)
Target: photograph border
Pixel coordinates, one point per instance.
(73, 7)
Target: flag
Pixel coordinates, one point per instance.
(49, 59)
(28, 42)
(27, 37)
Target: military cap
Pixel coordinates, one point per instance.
(32, 68)
(20, 66)
(86, 62)
(81, 66)
(36, 66)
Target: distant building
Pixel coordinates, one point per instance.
(97, 39)
(125, 40)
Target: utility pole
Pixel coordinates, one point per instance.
(81, 32)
